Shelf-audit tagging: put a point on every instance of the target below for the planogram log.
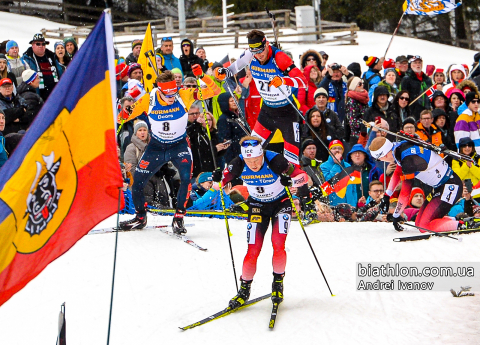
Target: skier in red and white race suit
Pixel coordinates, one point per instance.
(266, 175)
(414, 161)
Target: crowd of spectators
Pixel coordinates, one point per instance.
(439, 106)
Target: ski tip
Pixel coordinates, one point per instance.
(397, 240)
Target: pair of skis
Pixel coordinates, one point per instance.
(161, 228)
(227, 311)
(428, 236)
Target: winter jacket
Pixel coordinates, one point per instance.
(208, 200)
(312, 168)
(433, 135)
(171, 61)
(200, 147)
(334, 130)
(372, 77)
(134, 151)
(33, 99)
(33, 61)
(466, 173)
(228, 130)
(14, 108)
(336, 95)
(453, 84)
(305, 96)
(390, 116)
(188, 61)
(3, 152)
(17, 66)
(354, 111)
(130, 59)
(416, 87)
(468, 126)
(392, 90)
(369, 171)
(329, 170)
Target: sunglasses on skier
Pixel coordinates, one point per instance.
(252, 143)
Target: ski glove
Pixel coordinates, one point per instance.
(277, 81)
(396, 222)
(197, 70)
(384, 204)
(286, 180)
(222, 73)
(217, 175)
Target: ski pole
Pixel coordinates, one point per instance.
(434, 232)
(220, 184)
(274, 26)
(315, 133)
(306, 236)
(239, 109)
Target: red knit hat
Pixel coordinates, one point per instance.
(414, 191)
(121, 71)
(336, 143)
(371, 60)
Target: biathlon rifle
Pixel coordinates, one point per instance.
(429, 146)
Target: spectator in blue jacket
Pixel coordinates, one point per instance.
(204, 197)
(330, 168)
(360, 157)
(166, 50)
(372, 76)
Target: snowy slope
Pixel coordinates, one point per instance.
(162, 284)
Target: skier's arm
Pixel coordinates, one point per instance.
(295, 76)
(280, 165)
(241, 63)
(233, 170)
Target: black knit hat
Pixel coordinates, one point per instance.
(438, 112)
(408, 120)
(470, 97)
(306, 143)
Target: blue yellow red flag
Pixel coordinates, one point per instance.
(429, 7)
(64, 176)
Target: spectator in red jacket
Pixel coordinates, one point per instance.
(305, 96)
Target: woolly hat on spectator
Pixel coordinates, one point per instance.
(355, 68)
(59, 43)
(176, 70)
(469, 97)
(384, 124)
(438, 112)
(121, 71)
(5, 81)
(354, 83)
(38, 38)
(29, 76)
(388, 63)
(3, 57)
(320, 91)
(10, 45)
(415, 190)
(466, 141)
(336, 143)
(204, 177)
(306, 143)
(136, 43)
(133, 67)
(139, 124)
(410, 120)
(371, 60)
(457, 92)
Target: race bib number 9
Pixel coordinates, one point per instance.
(283, 223)
(251, 231)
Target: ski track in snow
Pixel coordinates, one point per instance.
(162, 283)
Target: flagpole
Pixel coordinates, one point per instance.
(114, 264)
(421, 95)
(394, 33)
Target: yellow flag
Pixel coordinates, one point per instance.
(149, 75)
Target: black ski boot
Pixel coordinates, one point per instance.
(242, 296)
(177, 224)
(135, 223)
(277, 288)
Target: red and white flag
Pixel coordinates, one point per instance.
(431, 90)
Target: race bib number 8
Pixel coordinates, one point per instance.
(449, 193)
(283, 223)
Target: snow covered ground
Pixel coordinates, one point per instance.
(162, 283)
